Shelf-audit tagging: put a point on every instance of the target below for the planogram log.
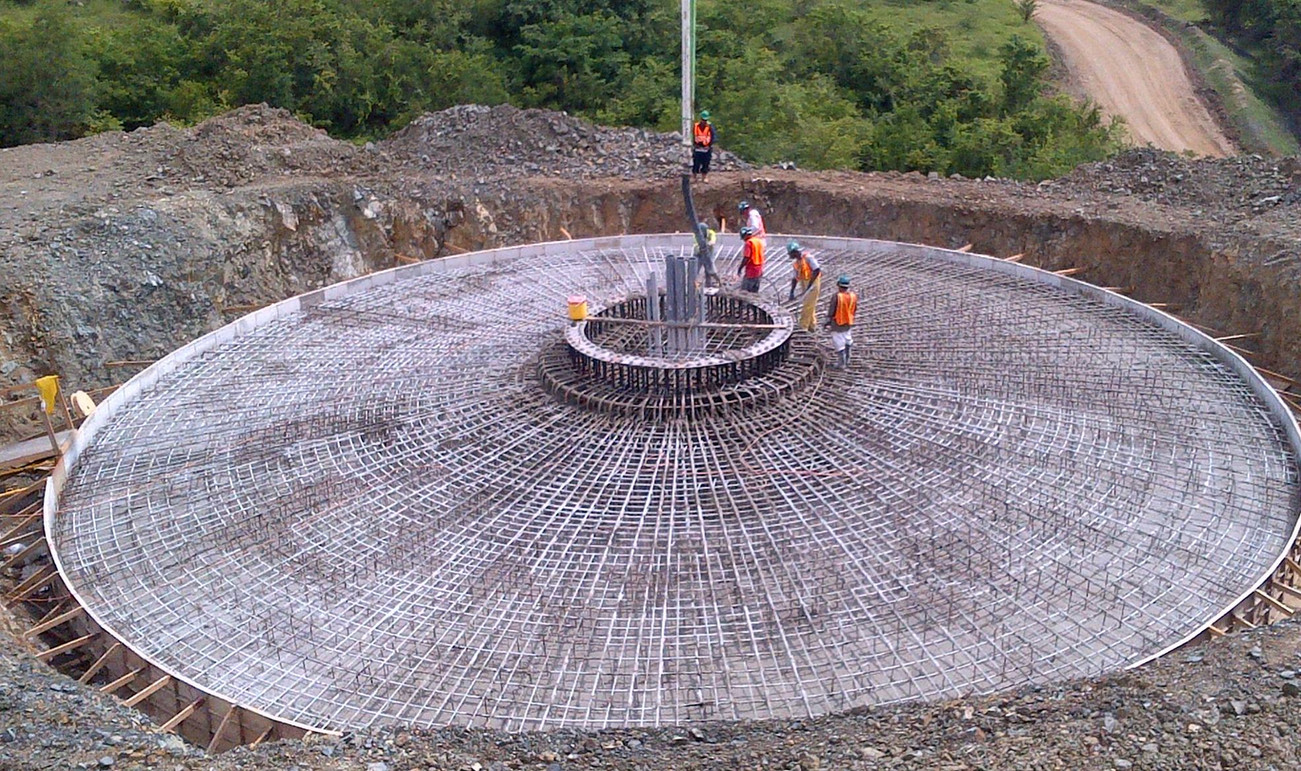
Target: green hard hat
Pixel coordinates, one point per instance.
(704, 114)
(842, 281)
(793, 248)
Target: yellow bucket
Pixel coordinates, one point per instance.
(577, 307)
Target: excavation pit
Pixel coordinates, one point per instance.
(369, 505)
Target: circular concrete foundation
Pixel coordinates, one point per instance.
(366, 506)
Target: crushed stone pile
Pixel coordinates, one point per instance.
(1232, 188)
(474, 141)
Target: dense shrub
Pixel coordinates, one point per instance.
(818, 82)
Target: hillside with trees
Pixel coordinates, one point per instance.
(952, 86)
(1271, 31)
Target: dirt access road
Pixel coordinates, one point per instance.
(1131, 71)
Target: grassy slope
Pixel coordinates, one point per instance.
(975, 28)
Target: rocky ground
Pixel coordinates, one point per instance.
(121, 247)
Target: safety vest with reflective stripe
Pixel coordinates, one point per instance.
(753, 254)
(846, 307)
(803, 270)
(704, 134)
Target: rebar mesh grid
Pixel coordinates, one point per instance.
(372, 512)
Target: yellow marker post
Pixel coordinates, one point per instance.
(49, 389)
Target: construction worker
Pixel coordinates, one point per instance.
(702, 147)
(751, 217)
(706, 256)
(840, 320)
(807, 276)
(751, 267)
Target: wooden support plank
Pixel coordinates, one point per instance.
(221, 728)
(1291, 563)
(99, 664)
(1014, 258)
(1290, 591)
(1282, 608)
(1068, 271)
(1238, 337)
(565, 233)
(28, 587)
(180, 717)
(263, 736)
(46, 626)
(60, 607)
(121, 681)
(966, 248)
(1277, 375)
(71, 645)
(22, 556)
(149, 690)
(1216, 631)
(130, 362)
(21, 530)
(1240, 620)
(12, 494)
(402, 259)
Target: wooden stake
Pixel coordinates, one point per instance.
(1014, 258)
(99, 664)
(180, 717)
(46, 626)
(263, 736)
(966, 248)
(565, 233)
(64, 648)
(49, 431)
(148, 691)
(1068, 271)
(121, 681)
(29, 587)
(26, 552)
(1274, 603)
(221, 727)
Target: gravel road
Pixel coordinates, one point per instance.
(1133, 72)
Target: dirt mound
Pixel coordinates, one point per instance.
(480, 142)
(258, 141)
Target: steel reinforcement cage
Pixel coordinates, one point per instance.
(1278, 411)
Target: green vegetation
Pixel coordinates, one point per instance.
(1270, 31)
(953, 86)
(1238, 78)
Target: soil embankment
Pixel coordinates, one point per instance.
(1133, 72)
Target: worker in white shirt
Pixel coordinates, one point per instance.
(751, 218)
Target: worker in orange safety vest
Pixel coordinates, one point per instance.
(702, 146)
(840, 320)
(806, 275)
(751, 267)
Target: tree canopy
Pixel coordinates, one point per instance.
(822, 83)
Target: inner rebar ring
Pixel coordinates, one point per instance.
(749, 355)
